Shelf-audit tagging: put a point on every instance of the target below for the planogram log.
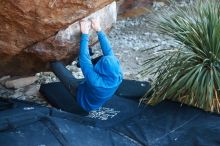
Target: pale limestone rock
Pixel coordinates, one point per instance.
(21, 82)
(4, 79)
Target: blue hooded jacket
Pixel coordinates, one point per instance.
(102, 80)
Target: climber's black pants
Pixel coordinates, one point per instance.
(94, 61)
(66, 77)
(68, 80)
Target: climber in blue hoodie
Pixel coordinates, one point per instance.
(101, 80)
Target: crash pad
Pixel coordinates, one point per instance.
(122, 121)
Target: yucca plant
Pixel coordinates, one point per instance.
(189, 73)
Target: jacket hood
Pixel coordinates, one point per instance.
(109, 68)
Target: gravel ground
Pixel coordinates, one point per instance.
(129, 38)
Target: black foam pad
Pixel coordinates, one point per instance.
(6, 104)
(29, 124)
(132, 89)
(121, 121)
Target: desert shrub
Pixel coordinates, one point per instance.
(189, 73)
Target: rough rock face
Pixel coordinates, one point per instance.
(34, 32)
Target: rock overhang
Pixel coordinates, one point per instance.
(24, 53)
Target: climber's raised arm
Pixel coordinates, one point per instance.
(104, 43)
(84, 57)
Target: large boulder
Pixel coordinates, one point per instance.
(34, 32)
